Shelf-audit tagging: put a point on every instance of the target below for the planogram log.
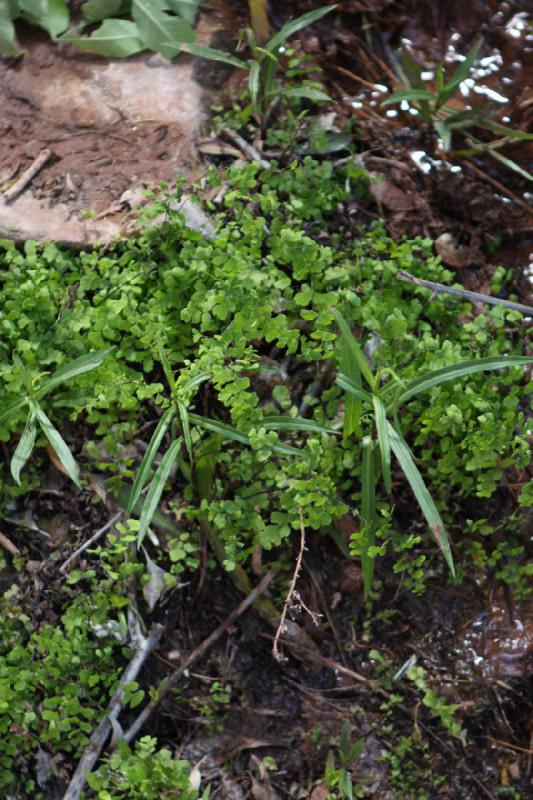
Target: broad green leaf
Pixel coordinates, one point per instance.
(158, 30)
(60, 446)
(368, 510)
(155, 491)
(116, 38)
(96, 10)
(411, 95)
(349, 386)
(228, 432)
(354, 350)
(148, 459)
(212, 54)
(431, 379)
(7, 30)
(72, 369)
(185, 8)
(52, 15)
(380, 416)
(306, 93)
(296, 25)
(24, 447)
(425, 501)
(297, 424)
(461, 73)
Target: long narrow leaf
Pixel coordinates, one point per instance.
(148, 459)
(383, 439)
(60, 446)
(296, 25)
(253, 85)
(228, 432)
(72, 369)
(11, 409)
(368, 511)
(212, 54)
(297, 424)
(349, 386)
(354, 349)
(510, 164)
(156, 489)
(431, 379)
(194, 382)
(24, 447)
(411, 95)
(461, 73)
(352, 404)
(186, 428)
(421, 492)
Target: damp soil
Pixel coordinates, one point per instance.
(476, 640)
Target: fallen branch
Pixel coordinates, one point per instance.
(248, 149)
(168, 683)
(103, 729)
(27, 176)
(475, 297)
(91, 541)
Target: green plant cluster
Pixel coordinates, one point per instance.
(246, 323)
(143, 773)
(54, 682)
(125, 26)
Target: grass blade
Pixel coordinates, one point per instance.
(212, 54)
(368, 511)
(354, 350)
(148, 460)
(411, 95)
(11, 409)
(352, 404)
(380, 416)
(296, 25)
(74, 368)
(253, 85)
(24, 447)
(60, 446)
(349, 386)
(228, 432)
(438, 376)
(156, 489)
(186, 428)
(297, 424)
(421, 492)
(461, 73)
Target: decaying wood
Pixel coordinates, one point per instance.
(27, 176)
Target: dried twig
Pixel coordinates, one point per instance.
(275, 647)
(248, 149)
(27, 176)
(91, 541)
(475, 297)
(8, 545)
(168, 683)
(103, 729)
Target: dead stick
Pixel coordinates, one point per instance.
(167, 683)
(275, 646)
(91, 541)
(474, 296)
(102, 730)
(8, 545)
(27, 176)
(246, 147)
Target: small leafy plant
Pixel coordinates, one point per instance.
(263, 85)
(437, 108)
(338, 771)
(36, 390)
(379, 437)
